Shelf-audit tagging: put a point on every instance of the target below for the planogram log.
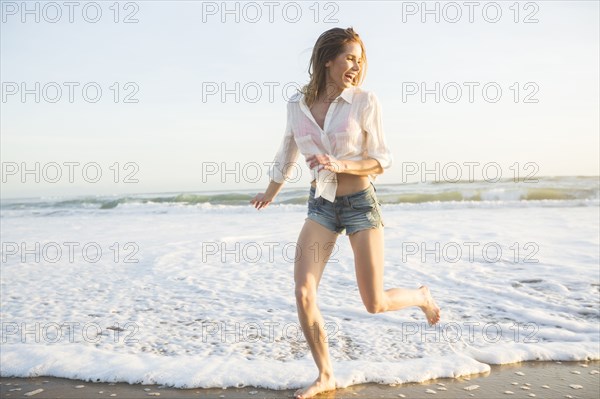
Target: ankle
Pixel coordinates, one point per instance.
(326, 375)
(423, 297)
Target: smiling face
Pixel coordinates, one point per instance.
(342, 71)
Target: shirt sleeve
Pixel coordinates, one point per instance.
(376, 144)
(284, 162)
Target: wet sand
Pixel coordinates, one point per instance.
(520, 380)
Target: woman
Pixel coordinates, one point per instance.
(337, 127)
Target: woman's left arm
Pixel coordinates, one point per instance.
(377, 148)
(364, 167)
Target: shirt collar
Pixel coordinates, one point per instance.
(348, 93)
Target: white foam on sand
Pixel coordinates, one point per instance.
(235, 371)
(210, 302)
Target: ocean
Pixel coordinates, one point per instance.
(196, 289)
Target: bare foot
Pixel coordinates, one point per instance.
(431, 310)
(321, 384)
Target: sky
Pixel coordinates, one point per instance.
(159, 111)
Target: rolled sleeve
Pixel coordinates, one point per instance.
(376, 145)
(284, 162)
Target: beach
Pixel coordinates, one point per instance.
(205, 297)
(524, 380)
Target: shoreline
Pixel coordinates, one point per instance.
(542, 379)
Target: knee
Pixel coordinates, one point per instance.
(375, 307)
(305, 295)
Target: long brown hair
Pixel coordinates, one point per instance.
(328, 46)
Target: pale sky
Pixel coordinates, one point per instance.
(171, 56)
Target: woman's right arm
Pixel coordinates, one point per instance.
(282, 166)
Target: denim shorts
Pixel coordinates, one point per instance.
(348, 213)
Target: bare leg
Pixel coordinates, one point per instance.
(367, 246)
(308, 269)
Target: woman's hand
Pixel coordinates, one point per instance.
(327, 162)
(261, 201)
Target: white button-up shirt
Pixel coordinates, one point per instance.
(352, 130)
